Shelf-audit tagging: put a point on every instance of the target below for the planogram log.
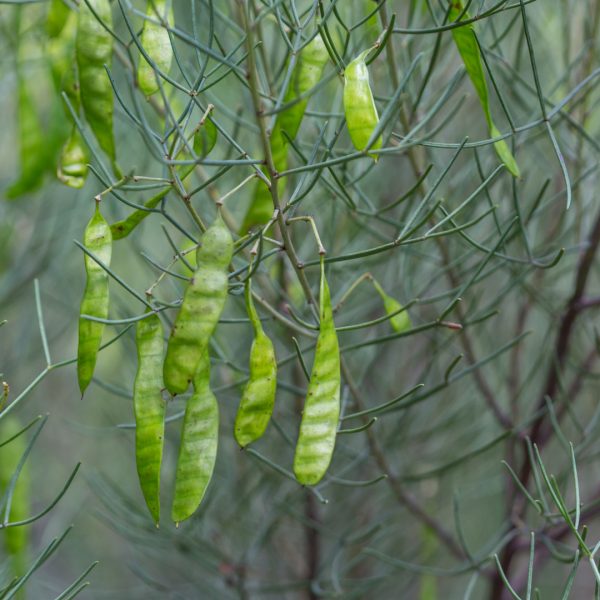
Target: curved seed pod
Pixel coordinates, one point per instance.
(205, 138)
(401, 321)
(155, 41)
(359, 106)
(320, 417)
(307, 73)
(16, 539)
(203, 303)
(72, 163)
(123, 228)
(258, 397)
(33, 150)
(149, 408)
(97, 239)
(198, 447)
(468, 48)
(93, 49)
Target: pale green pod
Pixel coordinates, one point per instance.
(98, 240)
(401, 321)
(72, 163)
(121, 229)
(307, 74)
(149, 408)
(468, 48)
(93, 50)
(156, 43)
(359, 105)
(258, 397)
(198, 447)
(318, 429)
(203, 303)
(15, 539)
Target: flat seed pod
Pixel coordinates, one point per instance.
(203, 303)
(15, 539)
(401, 321)
(258, 397)
(98, 240)
(72, 163)
(359, 105)
(156, 43)
(318, 429)
(93, 49)
(149, 408)
(198, 447)
(307, 74)
(468, 48)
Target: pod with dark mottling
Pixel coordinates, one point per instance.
(149, 409)
(258, 397)
(359, 106)
(320, 417)
(203, 303)
(98, 240)
(157, 45)
(198, 447)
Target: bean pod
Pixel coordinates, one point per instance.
(359, 106)
(149, 409)
(320, 417)
(468, 48)
(258, 397)
(93, 49)
(203, 302)
(98, 240)
(198, 447)
(157, 45)
(307, 74)
(401, 321)
(72, 163)
(16, 539)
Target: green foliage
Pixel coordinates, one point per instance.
(420, 331)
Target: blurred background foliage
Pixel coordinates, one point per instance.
(515, 358)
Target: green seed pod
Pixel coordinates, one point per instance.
(149, 408)
(359, 106)
(468, 48)
(121, 229)
(33, 149)
(320, 417)
(203, 303)
(93, 48)
(401, 321)
(16, 539)
(205, 138)
(155, 41)
(307, 74)
(258, 397)
(72, 163)
(261, 207)
(198, 447)
(98, 240)
(57, 17)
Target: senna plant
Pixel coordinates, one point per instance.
(331, 289)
